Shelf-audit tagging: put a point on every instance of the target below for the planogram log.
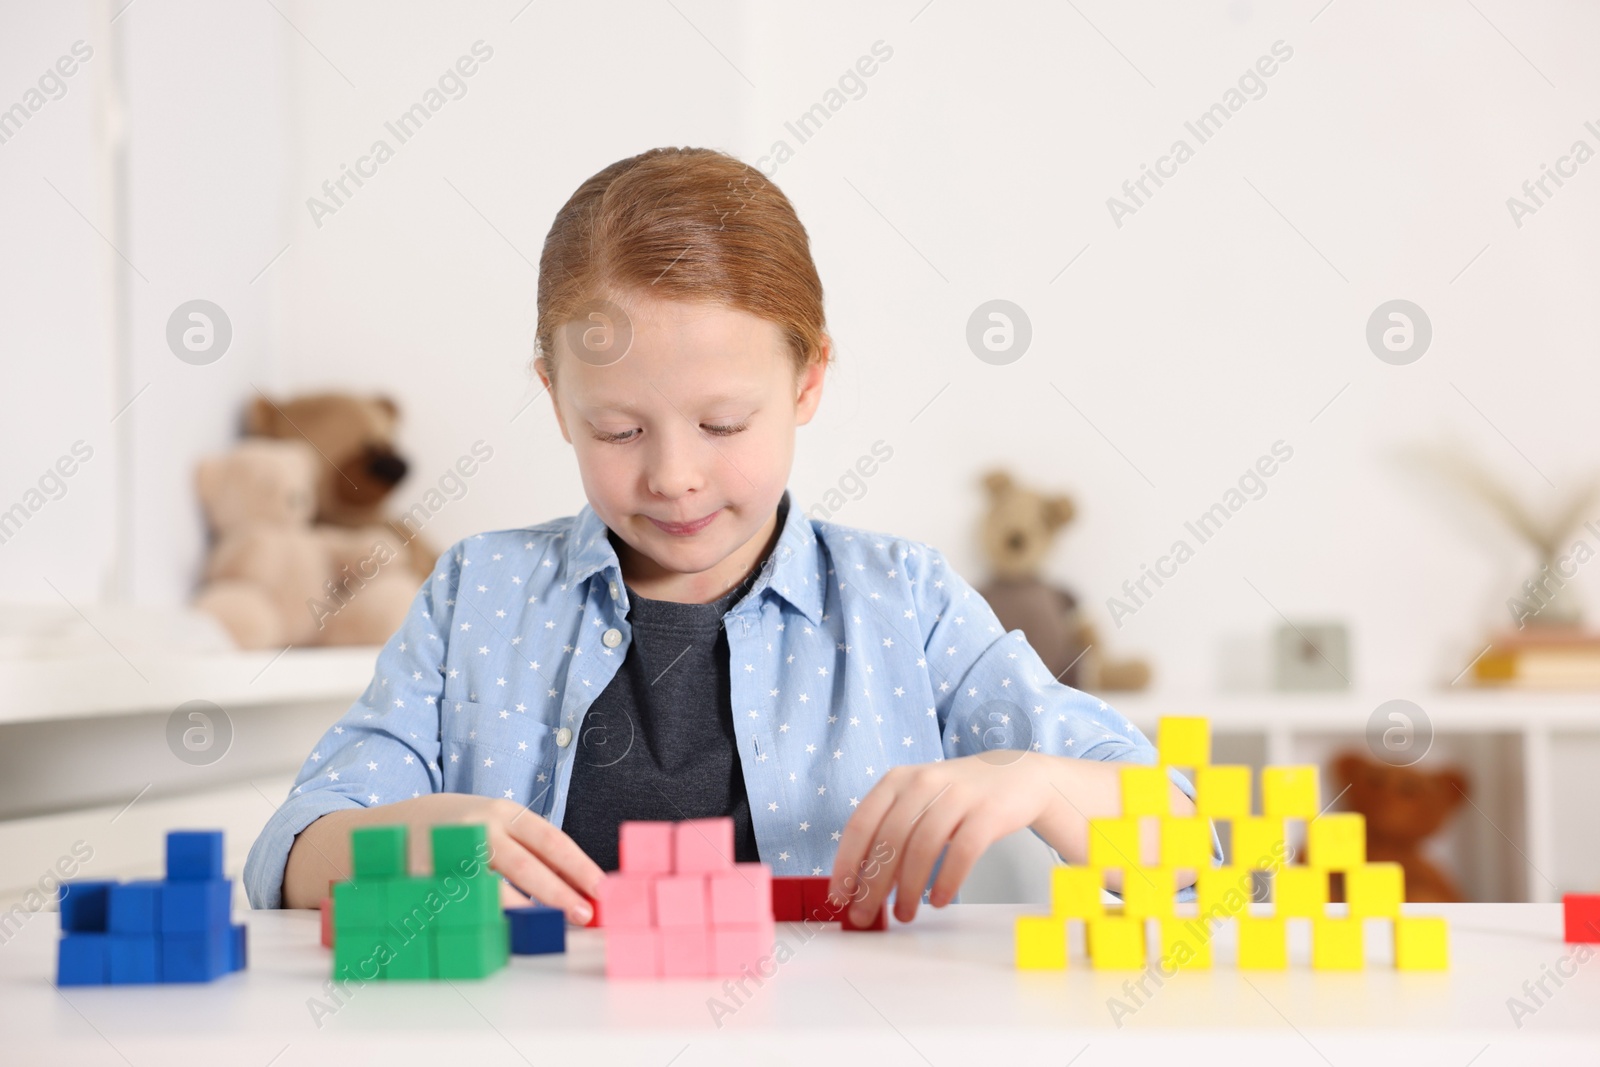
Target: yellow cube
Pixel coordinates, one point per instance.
(1185, 945)
(1114, 842)
(1145, 791)
(1300, 893)
(1336, 944)
(1075, 892)
(1148, 892)
(1184, 740)
(1222, 792)
(1337, 841)
(1421, 943)
(1263, 944)
(1041, 943)
(1259, 842)
(1185, 842)
(1375, 890)
(1289, 792)
(1223, 892)
(1116, 943)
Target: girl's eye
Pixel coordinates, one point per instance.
(627, 435)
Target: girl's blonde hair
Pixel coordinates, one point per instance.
(681, 224)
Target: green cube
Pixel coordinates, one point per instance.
(474, 952)
(406, 906)
(378, 852)
(361, 953)
(360, 904)
(460, 850)
(413, 958)
(469, 902)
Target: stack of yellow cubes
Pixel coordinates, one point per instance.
(1116, 935)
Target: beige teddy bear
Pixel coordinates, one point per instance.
(274, 579)
(1018, 531)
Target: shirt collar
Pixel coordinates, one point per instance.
(791, 570)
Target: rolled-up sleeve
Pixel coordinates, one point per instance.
(383, 749)
(993, 691)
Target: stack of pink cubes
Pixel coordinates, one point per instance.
(679, 907)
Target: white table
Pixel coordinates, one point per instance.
(941, 990)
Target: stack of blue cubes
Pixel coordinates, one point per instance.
(176, 929)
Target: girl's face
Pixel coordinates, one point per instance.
(693, 425)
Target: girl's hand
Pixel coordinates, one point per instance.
(532, 854)
(915, 810)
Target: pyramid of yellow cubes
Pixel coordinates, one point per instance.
(1116, 936)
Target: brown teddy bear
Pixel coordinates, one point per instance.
(359, 468)
(274, 579)
(1403, 808)
(1017, 534)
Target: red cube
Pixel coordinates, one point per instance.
(628, 900)
(817, 905)
(1581, 915)
(703, 845)
(326, 908)
(786, 903)
(644, 847)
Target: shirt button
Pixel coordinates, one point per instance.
(563, 737)
(612, 638)
(613, 590)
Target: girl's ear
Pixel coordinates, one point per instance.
(810, 395)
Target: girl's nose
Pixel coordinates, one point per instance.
(676, 462)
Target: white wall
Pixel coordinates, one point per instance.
(1190, 339)
(1221, 317)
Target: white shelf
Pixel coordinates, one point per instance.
(45, 690)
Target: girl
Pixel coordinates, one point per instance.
(690, 644)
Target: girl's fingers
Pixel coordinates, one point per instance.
(859, 834)
(560, 853)
(879, 869)
(510, 897)
(532, 877)
(928, 837)
(977, 831)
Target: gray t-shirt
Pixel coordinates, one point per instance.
(658, 743)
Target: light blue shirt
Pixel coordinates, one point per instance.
(852, 652)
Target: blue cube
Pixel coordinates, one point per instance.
(537, 929)
(195, 957)
(132, 958)
(238, 948)
(196, 907)
(83, 906)
(134, 908)
(194, 855)
(81, 960)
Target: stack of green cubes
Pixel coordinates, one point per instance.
(389, 924)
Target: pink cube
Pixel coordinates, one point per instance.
(685, 952)
(742, 895)
(704, 845)
(628, 900)
(644, 847)
(681, 900)
(632, 952)
(744, 946)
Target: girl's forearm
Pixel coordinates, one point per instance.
(321, 852)
(1084, 789)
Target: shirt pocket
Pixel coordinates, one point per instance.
(496, 752)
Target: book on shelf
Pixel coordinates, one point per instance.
(1541, 658)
